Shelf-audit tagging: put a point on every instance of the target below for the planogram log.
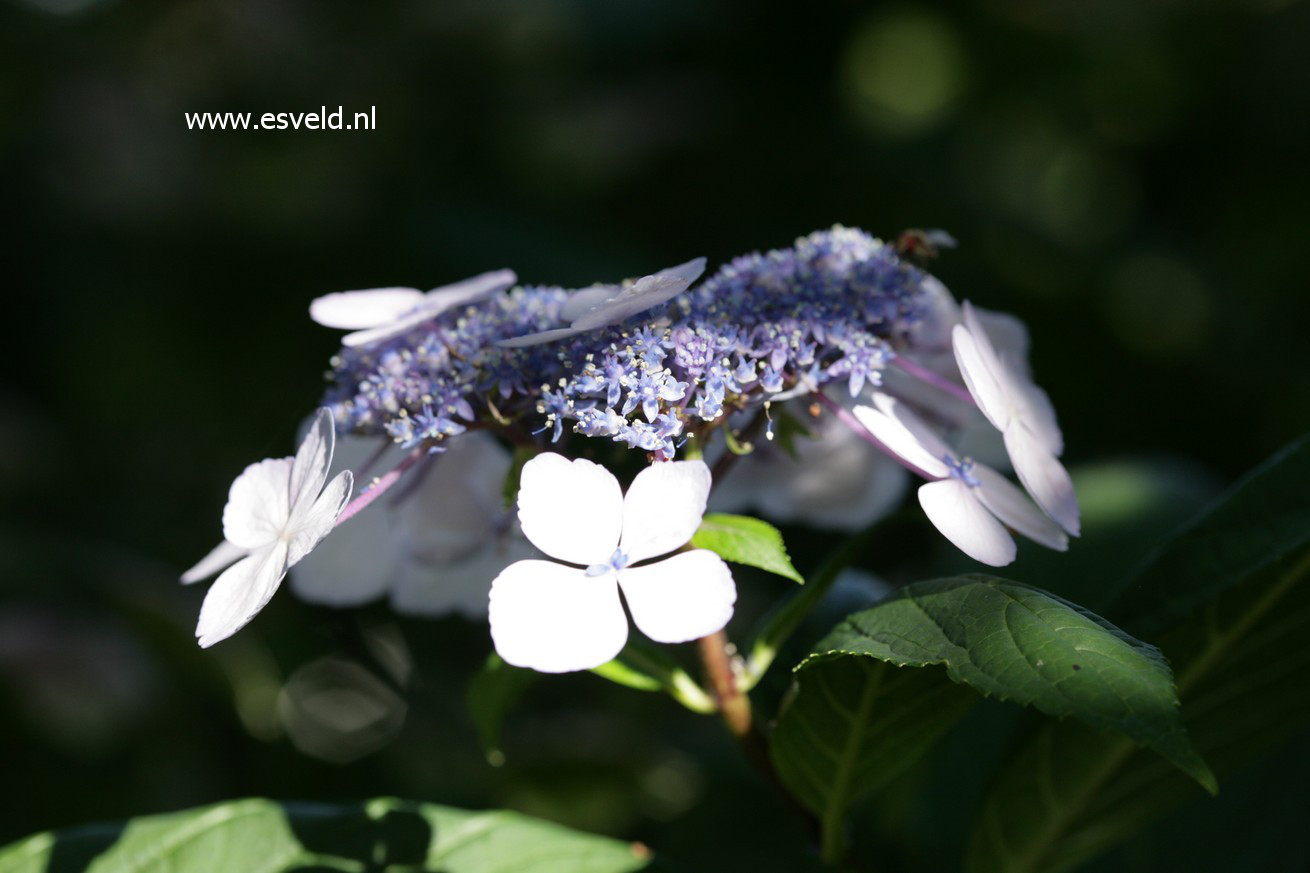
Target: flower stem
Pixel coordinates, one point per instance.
(382, 485)
(782, 622)
(735, 708)
(923, 374)
(733, 704)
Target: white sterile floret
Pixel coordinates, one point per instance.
(434, 548)
(1023, 414)
(277, 511)
(554, 617)
(971, 504)
(382, 313)
(602, 305)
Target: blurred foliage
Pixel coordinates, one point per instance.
(1128, 177)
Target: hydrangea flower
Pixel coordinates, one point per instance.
(434, 547)
(970, 503)
(1023, 414)
(838, 305)
(603, 305)
(382, 313)
(565, 614)
(277, 511)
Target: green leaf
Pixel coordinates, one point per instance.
(1020, 644)
(261, 836)
(646, 668)
(1067, 793)
(1263, 518)
(1237, 637)
(491, 693)
(745, 540)
(852, 724)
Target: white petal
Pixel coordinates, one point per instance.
(536, 339)
(954, 510)
(435, 302)
(896, 437)
(458, 506)
(313, 460)
(222, 554)
(1044, 477)
(353, 566)
(257, 507)
(474, 288)
(430, 590)
(240, 593)
(646, 292)
(1033, 408)
(688, 272)
(1007, 334)
(353, 310)
(663, 507)
(571, 510)
(554, 618)
(905, 415)
(316, 522)
(586, 299)
(680, 598)
(1009, 504)
(978, 369)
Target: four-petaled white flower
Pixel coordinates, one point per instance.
(971, 504)
(1023, 414)
(382, 313)
(554, 617)
(602, 305)
(277, 511)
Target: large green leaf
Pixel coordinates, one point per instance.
(853, 724)
(379, 836)
(1242, 660)
(745, 540)
(1023, 645)
(1068, 793)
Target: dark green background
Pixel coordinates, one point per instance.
(1129, 177)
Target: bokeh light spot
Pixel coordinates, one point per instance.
(1158, 304)
(903, 73)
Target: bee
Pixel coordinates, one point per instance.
(919, 247)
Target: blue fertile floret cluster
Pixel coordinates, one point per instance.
(836, 306)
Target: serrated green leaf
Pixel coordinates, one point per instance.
(852, 724)
(745, 540)
(491, 692)
(1242, 660)
(262, 836)
(1023, 645)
